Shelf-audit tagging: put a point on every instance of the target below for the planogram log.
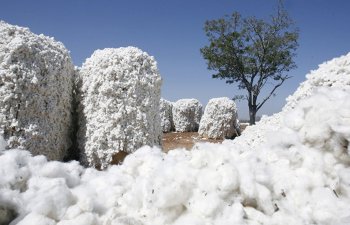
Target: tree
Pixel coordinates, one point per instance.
(252, 53)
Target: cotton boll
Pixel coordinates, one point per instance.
(70, 172)
(16, 173)
(82, 219)
(36, 219)
(205, 204)
(324, 206)
(264, 199)
(255, 217)
(72, 212)
(229, 178)
(49, 197)
(191, 219)
(231, 214)
(170, 192)
(123, 220)
(246, 182)
(286, 219)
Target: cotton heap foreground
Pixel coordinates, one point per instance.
(36, 82)
(187, 114)
(119, 105)
(299, 175)
(220, 119)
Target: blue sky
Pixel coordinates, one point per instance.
(172, 31)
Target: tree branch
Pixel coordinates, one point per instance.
(271, 93)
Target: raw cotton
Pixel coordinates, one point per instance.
(299, 176)
(187, 114)
(220, 119)
(333, 73)
(36, 80)
(119, 105)
(296, 171)
(166, 115)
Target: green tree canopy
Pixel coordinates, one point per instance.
(251, 52)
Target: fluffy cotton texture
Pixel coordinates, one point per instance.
(36, 81)
(166, 115)
(119, 105)
(187, 114)
(220, 119)
(334, 73)
(300, 176)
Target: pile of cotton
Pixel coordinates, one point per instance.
(300, 176)
(220, 119)
(166, 115)
(333, 73)
(119, 105)
(187, 114)
(36, 81)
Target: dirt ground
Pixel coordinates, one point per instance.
(182, 140)
(186, 140)
(171, 141)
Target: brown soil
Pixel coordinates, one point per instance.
(183, 140)
(186, 140)
(172, 141)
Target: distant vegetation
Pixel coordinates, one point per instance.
(252, 53)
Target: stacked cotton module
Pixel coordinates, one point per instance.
(220, 119)
(36, 81)
(166, 115)
(187, 114)
(119, 106)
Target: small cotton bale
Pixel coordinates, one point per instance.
(187, 114)
(119, 105)
(36, 82)
(220, 119)
(166, 115)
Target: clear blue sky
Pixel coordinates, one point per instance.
(172, 31)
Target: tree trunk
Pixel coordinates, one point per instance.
(252, 114)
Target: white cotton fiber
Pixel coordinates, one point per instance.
(187, 114)
(166, 115)
(36, 81)
(290, 174)
(220, 119)
(119, 111)
(333, 73)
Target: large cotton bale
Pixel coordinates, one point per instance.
(36, 80)
(187, 114)
(119, 106)
(166, 115)
(220, 119)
